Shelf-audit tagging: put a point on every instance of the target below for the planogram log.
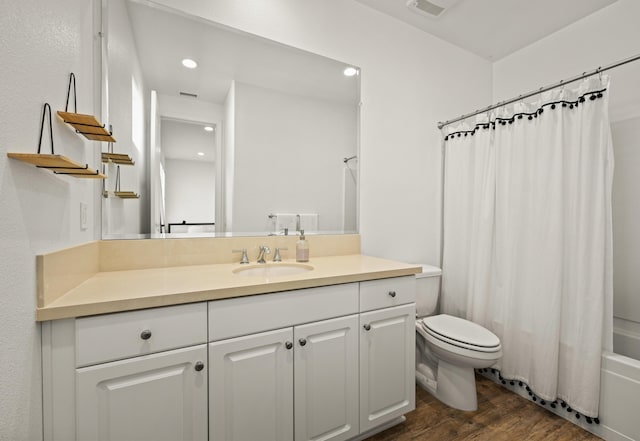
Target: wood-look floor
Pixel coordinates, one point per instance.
(501, 416)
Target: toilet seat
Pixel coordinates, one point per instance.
(461, 333)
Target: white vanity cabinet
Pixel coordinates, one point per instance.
(326, 379)
(139, 375)
(330, 363)
(251, 387)
(387, 350)
(387, 364)
(159, 397)
(302, 376)
(263, 385)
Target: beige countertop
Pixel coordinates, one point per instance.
(115, 291)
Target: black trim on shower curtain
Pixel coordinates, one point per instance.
(561, 83)
(536, 399)
(593, 95)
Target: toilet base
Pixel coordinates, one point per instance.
(456, 386)
(448, 373)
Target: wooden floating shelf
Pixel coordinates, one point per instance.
(87, 125)
(126, 194)
(58, 164)
(117, 158)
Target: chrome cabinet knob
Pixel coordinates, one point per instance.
(302, 342)
(288, 345)
(199, 366)
(145, 335)
(367, 327)
(392, 293)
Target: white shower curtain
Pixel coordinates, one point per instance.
(527, 237)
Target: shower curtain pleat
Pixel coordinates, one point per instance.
(527, 240)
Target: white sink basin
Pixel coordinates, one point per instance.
(273, 269)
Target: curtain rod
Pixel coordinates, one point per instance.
(542, 89)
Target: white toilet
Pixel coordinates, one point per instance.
(448, 348)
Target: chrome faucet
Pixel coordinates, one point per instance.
(276, 256)
(263, 251)
(244, 260)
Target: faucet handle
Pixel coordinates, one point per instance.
(244, 259)
(264, 250)
(276, 256)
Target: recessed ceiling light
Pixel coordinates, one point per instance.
(350, 71)
(208, 128)
(200, 154)
(189, 63)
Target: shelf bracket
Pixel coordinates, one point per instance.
(44, 112)
(72, 80)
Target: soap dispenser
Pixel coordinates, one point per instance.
(302, 248)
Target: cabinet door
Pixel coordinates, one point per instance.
(153, 397)
(251, 387)
(387, 358)
(326, 379)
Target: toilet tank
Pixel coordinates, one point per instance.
(427, 290)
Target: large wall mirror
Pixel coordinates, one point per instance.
(250, 137)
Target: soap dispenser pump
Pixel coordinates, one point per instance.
(302, 248)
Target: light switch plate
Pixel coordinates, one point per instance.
(83, 215)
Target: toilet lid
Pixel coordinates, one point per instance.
(461, 332)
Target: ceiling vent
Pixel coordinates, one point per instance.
(190, 95)
(430, 8)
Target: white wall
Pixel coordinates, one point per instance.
(607, 36)
(410, 80)
(127, 94)
(189, 178)
(224, 208)
(190, 187)
(298, 167)
(189, 109)
(40, 43)
(626, 236)
(350, 196)
(187, 140)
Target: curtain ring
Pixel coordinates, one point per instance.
(600, 74)
(519, 106)
(540, 96)
(487, 115)
(562, 92)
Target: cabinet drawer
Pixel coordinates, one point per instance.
(128, 334)
(248, 315)
(375, 294)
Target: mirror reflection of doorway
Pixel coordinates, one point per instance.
(188, 153)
